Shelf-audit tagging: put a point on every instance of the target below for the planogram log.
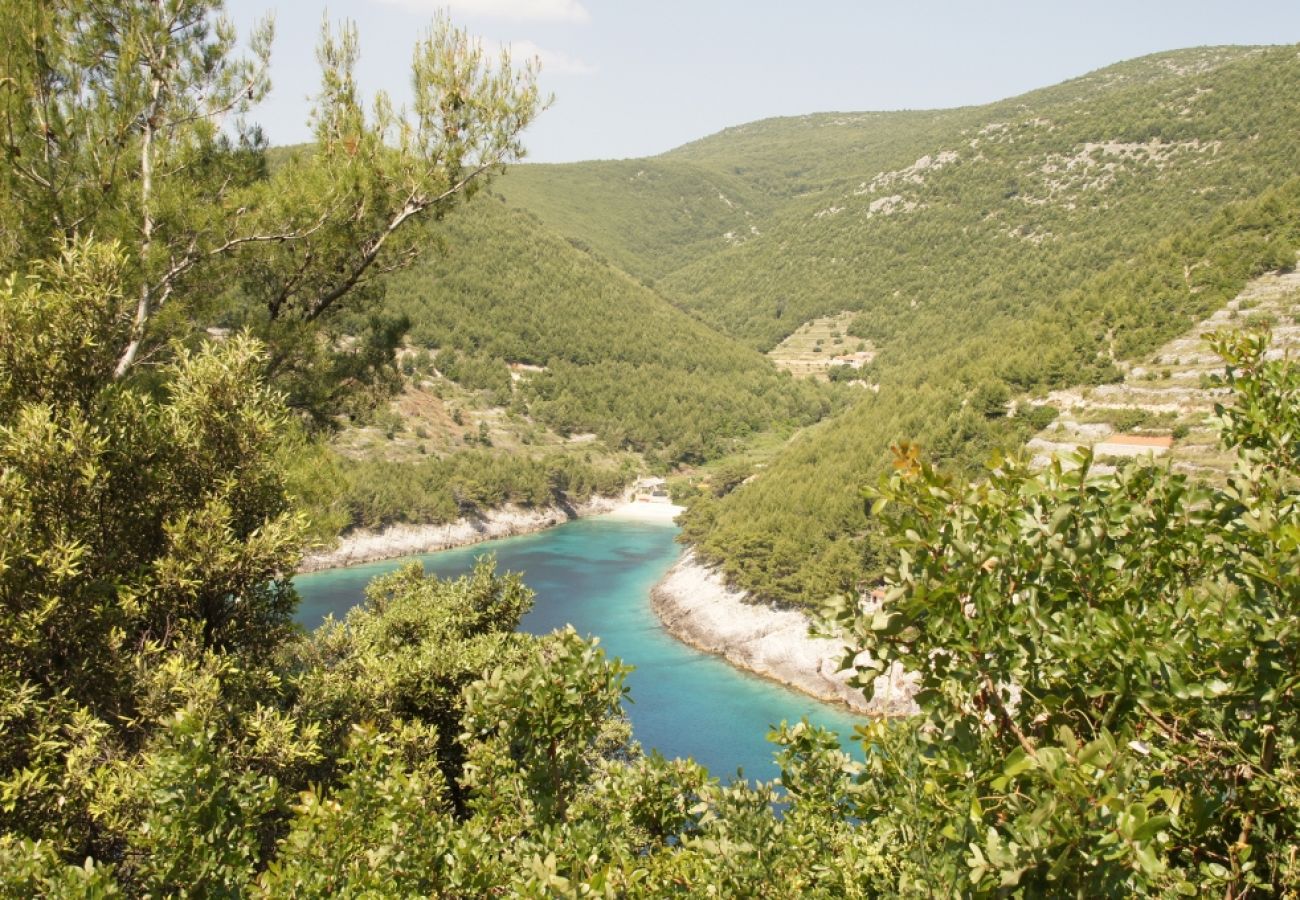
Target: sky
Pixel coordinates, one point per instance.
(635, 78)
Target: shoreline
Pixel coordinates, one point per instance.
(369, 545)
(692, 601)
(696, 606)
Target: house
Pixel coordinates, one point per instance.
(651, 490)
(853, 360)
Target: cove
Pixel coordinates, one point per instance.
(596, 575)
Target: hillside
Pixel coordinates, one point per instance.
(800, 531)
(648, 217)
(803, 187)
(1000, 208)
(979, 256)
(593, 350)
(988, 253)
(1164, 407)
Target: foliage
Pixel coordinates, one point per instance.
(476, 373)
(400, 662)
(618, 359)
(375, 493)
(729, 476)
(1039, 416)
(136, 522)
(377, 833)
(1090, 189)
(126, 121)
(1106, 671)
(1105, 665)
(532, 746)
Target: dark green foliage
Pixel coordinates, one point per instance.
(478, 373)
(1037, 416)
(727, 477)
(793, 533)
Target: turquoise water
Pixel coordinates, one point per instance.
(596, 574)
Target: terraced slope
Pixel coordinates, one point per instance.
(812, 351)
(1167, 394)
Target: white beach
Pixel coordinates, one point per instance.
(645, 511)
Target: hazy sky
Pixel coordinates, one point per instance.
(638, 77)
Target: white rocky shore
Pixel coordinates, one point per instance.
(696, 605)
(362, 545)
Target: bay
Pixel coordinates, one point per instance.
(596, 574)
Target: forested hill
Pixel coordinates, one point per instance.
(605, 353)
(1083, 173)
(990, 252)
(1008, 207)
(647, 216)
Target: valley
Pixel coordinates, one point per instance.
(963, 260)
(385, 515)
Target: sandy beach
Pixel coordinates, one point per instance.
(644, 511)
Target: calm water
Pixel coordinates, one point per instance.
(596, 574)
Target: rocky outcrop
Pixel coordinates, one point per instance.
(695, 604)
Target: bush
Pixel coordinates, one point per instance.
(1037, 416)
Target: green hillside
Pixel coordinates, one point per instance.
(606, 354)
(799, 532)
(802, 155)
(649, 216)
(990, 252)
(998, 213)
